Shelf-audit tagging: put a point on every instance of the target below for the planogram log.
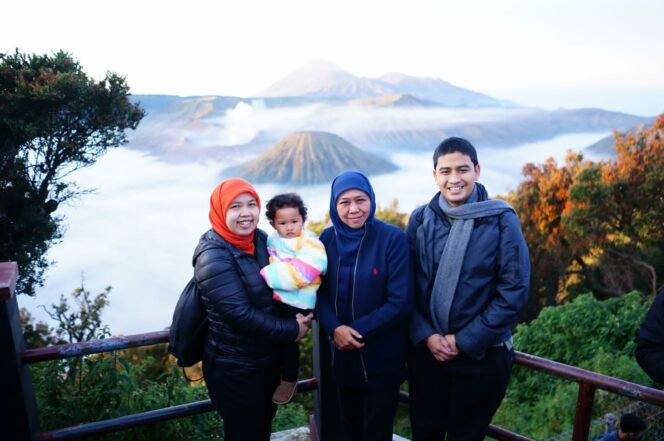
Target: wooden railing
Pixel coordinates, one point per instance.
(19, 410)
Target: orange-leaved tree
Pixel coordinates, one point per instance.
(618, 206)
(595, 226)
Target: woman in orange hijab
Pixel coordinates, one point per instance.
(240, 363)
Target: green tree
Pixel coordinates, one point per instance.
(598, 335)
(54, 119)
(83, 323)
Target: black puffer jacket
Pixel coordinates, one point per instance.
(244, 324)
(650, 349)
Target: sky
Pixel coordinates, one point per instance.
(548, 54)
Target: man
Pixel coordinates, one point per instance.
(631, 428)
(472, 278)
(650, 348)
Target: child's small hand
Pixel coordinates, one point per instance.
(304, 323)
(305, 318)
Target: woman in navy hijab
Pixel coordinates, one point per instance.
(363, 305)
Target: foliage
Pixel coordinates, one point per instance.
(598, 335)
(109, 385)
(595, 226)
(54, 119)
(85, 323)
(105, 386)
(36, 334)
(317, 227)
(392, 215)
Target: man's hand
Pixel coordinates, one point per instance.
(304, 322)
(443, 348)
(346, 338)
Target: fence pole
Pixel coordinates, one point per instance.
(584, 412)
(18, 409)
(326, 408)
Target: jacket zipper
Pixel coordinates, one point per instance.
(352, 301)
(336, 302)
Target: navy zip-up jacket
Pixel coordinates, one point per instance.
(493, 284)
(381, 303)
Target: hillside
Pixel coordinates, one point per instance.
(398, 100)
(307, 158)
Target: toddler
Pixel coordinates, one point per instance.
(297, 260)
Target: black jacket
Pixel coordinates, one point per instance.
(493, 284)
(244, 325)
(650, 348)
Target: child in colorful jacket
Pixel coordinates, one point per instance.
(297, 261)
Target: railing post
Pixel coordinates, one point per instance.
(18, 409)
(326, 408)
(584, 411)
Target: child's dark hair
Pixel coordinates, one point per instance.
(285, 200)
(454, 144)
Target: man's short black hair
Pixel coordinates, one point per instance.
(630, 423)
(454, 144)
(285, 200)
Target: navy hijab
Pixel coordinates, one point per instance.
(348, 239)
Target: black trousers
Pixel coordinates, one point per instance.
(289, 353)
(242, 396)
(456, 400)
(368, 414)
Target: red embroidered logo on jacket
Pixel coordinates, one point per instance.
(375, 271)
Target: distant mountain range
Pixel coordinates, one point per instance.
(321, 79)
(307, 158)
(322, 108)
(187, 129)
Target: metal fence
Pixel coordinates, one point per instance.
(19, 410)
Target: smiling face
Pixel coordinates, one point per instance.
(288, 222)
(455, 175)
(242, 215)
(353, 207)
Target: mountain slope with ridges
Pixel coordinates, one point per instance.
(309, 158)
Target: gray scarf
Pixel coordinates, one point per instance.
(449, 267)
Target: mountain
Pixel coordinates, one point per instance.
(308, 80)
(230, 129)
(437, 90)
(527, 127)
(607, 145)
(307, 158)
(325, 80)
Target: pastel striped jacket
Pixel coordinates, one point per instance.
(295, 269)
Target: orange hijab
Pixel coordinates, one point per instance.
(222, 197)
